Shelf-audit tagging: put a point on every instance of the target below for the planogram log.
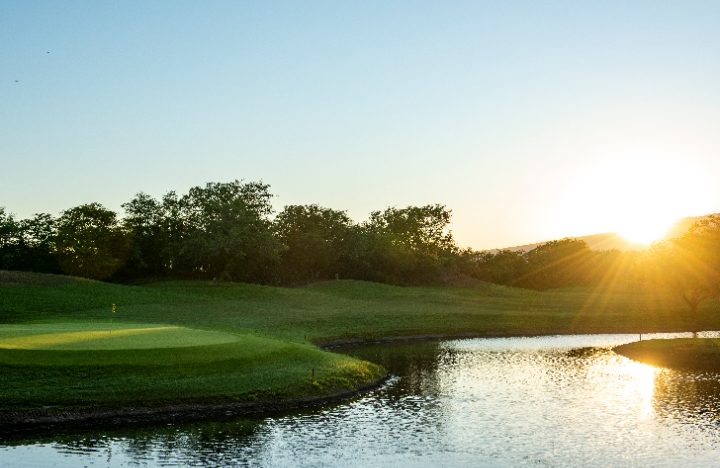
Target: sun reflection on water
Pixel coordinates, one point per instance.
(549, 401)
(623, 387)
(640, 385)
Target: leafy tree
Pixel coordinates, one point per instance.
(27, 244)
(558, 263)
(8, 228)
(420, 228)
(316, 242)
(175, 230)
(408, 245)
(614, 269)
(690, 265)
(144, 219)
(91, 242)
(503, 267)
(9, 233)
(228, 231)
(38, 236)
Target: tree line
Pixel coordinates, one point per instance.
(229, 231)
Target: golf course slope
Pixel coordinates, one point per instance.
(71, 347)
(68, 371)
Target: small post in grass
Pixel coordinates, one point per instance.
(114, 309)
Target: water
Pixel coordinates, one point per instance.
(546, 401)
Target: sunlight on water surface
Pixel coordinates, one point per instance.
(548, 401)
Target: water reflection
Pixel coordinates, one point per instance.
(689, 399)
(559, 401)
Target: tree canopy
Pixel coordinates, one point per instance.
(690, 264)
(90, 241)
(229, 231)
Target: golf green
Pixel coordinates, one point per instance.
(89, 336)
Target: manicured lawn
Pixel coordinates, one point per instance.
(352, 309)
(209, 341)
(81, 364)
(680, 353)
(87, 336)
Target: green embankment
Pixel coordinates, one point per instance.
(256, 343)
(696, 354)
(80, 364)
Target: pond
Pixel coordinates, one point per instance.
(542, 401)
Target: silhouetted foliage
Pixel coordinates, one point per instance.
(28, 244)
(91, 242)
(224, 231)
(145, 220)
(38, 240)
(9, 238)
(503, 267)
(690, 265)
(557, 263)
(316, 243)
(228, 232)
(408, 245)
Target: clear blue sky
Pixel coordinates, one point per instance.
(517, 115)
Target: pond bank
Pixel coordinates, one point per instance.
(692, 354)
(495, 402)
(48, 419)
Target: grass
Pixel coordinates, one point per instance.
(88, 336)
(352, 309)
(696, 354)
(80, 365)
(193, 341)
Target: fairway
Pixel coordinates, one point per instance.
(93, 336)
(80, 366)
(204, 343)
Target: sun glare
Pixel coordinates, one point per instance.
(639, 199)
(639, 386)
(646, 229)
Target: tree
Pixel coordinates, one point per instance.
(27, 244)
(420, 228)
(408, 245)
(690, 265)
(38, 238)
(144, 220)
(316, 242)
(9, 236)
(558, 263)
(228, 231)
(175, 230)
(91, 242)
(502, 267)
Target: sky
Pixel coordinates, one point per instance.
(530, 120)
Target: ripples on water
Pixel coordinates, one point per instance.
(546, 401)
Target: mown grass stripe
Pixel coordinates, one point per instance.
(48, 340)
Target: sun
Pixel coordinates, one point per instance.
(648, 197)
(638, 198)
(646, 229)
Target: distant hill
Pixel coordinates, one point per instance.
(614, 241)
(682, 226)
(603, 241)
